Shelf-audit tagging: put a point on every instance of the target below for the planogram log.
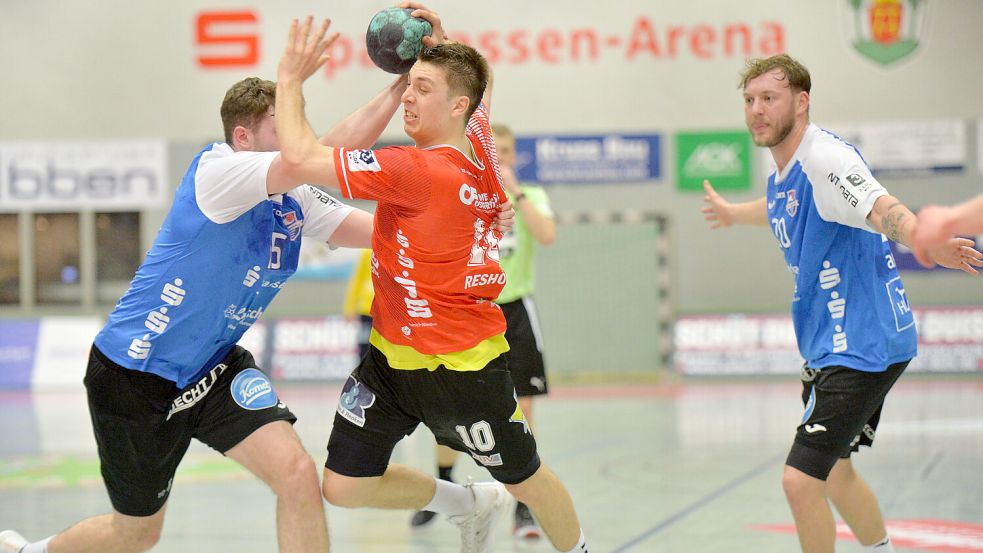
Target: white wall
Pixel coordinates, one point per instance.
(115, 69)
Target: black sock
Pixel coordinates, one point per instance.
(444, 473)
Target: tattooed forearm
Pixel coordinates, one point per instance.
(894, 222)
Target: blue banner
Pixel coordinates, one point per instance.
(18, 347)
(596, 159)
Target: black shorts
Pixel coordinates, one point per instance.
(475, 412)
(525, 356)
(842, 411)
(143, 424)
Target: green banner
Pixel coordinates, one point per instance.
(723, 158)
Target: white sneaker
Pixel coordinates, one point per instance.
(11, 542)
(478, 527)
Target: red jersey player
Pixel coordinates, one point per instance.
(437, 339)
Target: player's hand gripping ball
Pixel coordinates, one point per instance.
(394, 39)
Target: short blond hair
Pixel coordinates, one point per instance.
(501, 131)
(795, 73)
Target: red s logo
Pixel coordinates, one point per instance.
(232, 33)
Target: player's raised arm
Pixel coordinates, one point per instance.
(721, 213)
(302, 158)
(362, 128)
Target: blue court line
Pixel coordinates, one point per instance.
(699, 504)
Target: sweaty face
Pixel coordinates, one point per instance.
(427, 105)
(769, 108)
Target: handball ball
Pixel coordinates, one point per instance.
(394, 39)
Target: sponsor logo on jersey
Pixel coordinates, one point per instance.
(252, 275)
(322, 197)
(849, 196)
(242, 315)
(362, 160)
(792, 205)
(855, 179)
(483, 279)
(485, 247)
(858, 182)
(293, 224)
(469, 195)
(192, 395)
(252, 390)
(829, 276)
(139, 348)
(839, 339)
(355, 399)
(157, 321)
(814, 428)
(173, 294)
(903, 318)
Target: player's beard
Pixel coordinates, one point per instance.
(783, 127)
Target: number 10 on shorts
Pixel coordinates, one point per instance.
(479, 438)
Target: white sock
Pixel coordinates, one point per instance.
(581, 546)
(37, 547)
(450, 499)
(883, 546)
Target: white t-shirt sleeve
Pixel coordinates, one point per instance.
(843, 188)
(322, 213)
(229, 183)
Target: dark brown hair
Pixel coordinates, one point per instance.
(466, 70)
(245, 103)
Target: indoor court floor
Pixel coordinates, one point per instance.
(691, 467)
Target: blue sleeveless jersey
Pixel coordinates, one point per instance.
(203, 284)
(849, 307)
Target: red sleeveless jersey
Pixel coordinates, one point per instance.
(435, 254)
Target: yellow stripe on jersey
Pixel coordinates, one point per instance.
(408, 359)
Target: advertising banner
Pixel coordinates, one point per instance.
(18, 343)
(73, 176)
(723, 158)
(950, 340)
(319, 348)
(594, 159)
(908, 147)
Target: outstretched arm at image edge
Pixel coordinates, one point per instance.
(893, 219)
